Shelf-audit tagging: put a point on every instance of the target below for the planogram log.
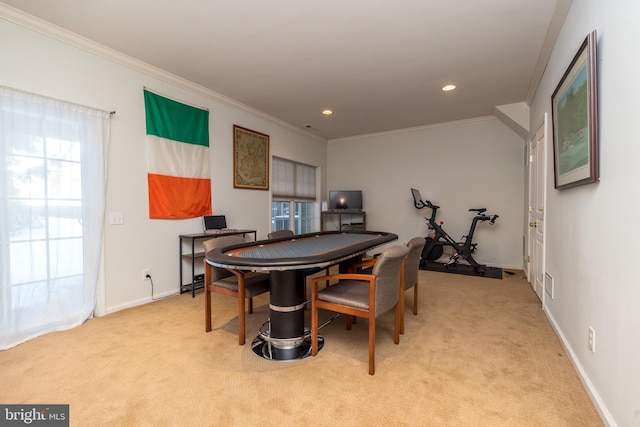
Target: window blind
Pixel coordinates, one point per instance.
(292, 180)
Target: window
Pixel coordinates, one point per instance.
(52, 205)
(293, 196)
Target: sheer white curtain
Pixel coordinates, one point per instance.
(52, 192)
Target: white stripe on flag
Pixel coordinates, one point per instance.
(173, 158)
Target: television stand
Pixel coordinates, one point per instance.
(343, 220)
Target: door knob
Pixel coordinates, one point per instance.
(533, 224)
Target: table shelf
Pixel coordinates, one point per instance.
(189, 257)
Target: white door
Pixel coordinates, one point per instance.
(537, 181)
(528, 243)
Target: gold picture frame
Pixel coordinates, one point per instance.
(250, 159)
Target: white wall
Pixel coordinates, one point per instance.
(37, 63)
(591, 230)
(461, 165)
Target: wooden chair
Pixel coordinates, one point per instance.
(235, 283)
(363, 295)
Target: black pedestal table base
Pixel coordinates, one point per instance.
(270, 349)
(286, 337)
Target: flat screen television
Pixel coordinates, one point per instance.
(345, 199)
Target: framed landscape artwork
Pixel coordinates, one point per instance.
(250, 159)
(574, 106)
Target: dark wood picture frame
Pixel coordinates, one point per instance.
(574, 106)
(250, 159)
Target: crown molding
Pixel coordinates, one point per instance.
(48, 29)
(557, 21)
(455, 123)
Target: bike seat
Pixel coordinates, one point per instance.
(479, 210)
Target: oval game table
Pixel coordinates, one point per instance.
(287, 260)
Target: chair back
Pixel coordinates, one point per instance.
(280, 234)
(388, 269)
(412, 264)
(218, 273)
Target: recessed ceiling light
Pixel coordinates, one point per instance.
(327, 112)
(447, 88)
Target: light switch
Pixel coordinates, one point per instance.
(116, 218)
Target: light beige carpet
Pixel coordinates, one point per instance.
(479, 353)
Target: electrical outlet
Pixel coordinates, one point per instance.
(592, 340)
(146, 272)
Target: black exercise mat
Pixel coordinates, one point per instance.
(490, 272)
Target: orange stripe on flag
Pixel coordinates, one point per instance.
(173, 197)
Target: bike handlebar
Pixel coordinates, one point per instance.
(421, 204)
(431, 205)
(491, 219)
(479, 211)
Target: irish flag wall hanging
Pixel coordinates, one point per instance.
(178, 158)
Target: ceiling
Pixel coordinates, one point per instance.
(379, 65)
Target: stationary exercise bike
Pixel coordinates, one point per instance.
(438, 238)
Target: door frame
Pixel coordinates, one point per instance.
(537, 174)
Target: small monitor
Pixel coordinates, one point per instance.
(417, 199)
(214, 222)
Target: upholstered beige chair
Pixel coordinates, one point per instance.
(280, 234)
(411, 268)
(363, 295)
(235, 283)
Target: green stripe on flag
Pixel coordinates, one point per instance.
(173, 120)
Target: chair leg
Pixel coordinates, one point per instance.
(241, 315)
(207, 297)
(350, 321)
(314, 322)
(401, 303)
(250, 309)
(241, 321)
(415, 306)
(207, 310)
(398, 322)
(372, 345)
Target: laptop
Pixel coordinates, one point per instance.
(214, 223)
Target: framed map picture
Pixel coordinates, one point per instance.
(250, 159)
(575, 120)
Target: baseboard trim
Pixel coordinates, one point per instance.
(138, 302)
(586, 381)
